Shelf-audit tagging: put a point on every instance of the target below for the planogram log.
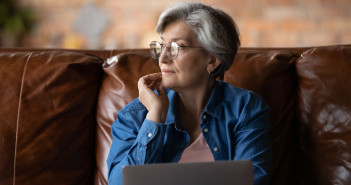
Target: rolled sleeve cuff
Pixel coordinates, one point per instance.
(148, 131)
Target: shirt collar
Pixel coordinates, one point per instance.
(214, 103)
(172, 109)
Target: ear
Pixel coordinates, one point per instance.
(213, 64)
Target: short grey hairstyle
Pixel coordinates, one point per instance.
(216, 31)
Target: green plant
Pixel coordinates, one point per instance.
(15, 22)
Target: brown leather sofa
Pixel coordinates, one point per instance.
(57, 107)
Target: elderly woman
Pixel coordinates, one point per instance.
(183, 114)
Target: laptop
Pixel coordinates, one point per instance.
(203, 173)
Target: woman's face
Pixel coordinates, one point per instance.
(189, 69)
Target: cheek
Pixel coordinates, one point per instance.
(191, 67)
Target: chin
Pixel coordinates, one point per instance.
(168, 84)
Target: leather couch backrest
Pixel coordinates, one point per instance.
(47, 117)
(324, 115)
(58, 107)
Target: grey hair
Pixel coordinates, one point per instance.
(216, 31)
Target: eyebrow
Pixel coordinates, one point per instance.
(177, 39)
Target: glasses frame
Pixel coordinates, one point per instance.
(168, 50)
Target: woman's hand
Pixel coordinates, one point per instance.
(157, 105)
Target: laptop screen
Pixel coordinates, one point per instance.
(204, 173)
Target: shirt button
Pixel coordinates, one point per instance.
(204, 116)
(206, 130)
(149, 135)
(215, 149)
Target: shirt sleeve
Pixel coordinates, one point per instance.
(253, 140)
(136, 141)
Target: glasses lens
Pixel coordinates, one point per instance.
(173, 50)
(155, 49)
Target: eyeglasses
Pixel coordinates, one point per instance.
(172, 52)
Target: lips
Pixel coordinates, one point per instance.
(167, 71)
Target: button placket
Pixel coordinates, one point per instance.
(204, 117)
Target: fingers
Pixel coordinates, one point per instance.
(156, 103)
(150, 81)
(155, 83)
(161, 90)
(152, 77)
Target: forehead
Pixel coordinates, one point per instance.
(178, 31)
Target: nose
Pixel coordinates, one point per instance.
(163, 57)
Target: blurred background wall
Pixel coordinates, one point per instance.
(106, 24)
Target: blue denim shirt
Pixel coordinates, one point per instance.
(235, 124)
